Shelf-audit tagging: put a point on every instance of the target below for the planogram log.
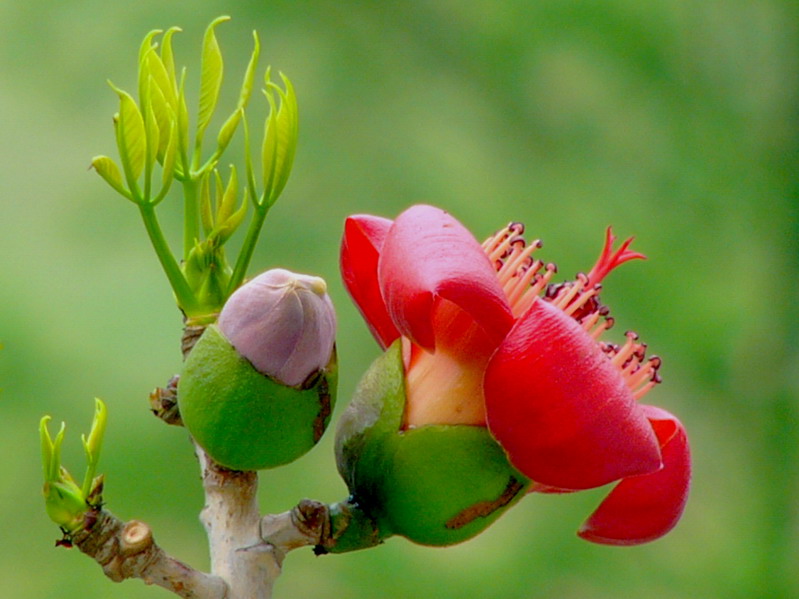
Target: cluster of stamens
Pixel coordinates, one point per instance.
(640, 373)
(525, 279)
(580, 300)
(518, 272)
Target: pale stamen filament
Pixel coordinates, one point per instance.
(647, 371)
(644, 390)
(581, 299)
(520, 284)
(641, 375)
(490, 245)
(532, 292)
(567, 294)
(510, 268)
(627, 350)
(631, 367)
(589, 321)
(496, 247)
(602, 327)
(541, 282)
(516, 262)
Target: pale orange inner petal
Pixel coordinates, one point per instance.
(446, 387)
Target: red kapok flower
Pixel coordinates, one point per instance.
(489, 341)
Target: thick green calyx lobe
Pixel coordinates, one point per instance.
(243, 419)
(436, 484)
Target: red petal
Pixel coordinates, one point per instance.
(360, 251)
(644, 508)
(561, 409)
(428, 256)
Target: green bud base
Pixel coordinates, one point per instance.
(436, 484)
(243, 419)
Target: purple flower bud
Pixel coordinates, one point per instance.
(283, 323)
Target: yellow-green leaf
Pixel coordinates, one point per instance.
(218, 189)
(146, 48)
(167, 57)
(249, 74)
(287, 127)
(47, 447)
(227, 200)
(158, 72)
(269, 149)
(94, 442)
(227, 130)
(234, 220)
(109, 171)
(151, 129)
(280, 138)
(210, 76)
(249, 170)
(169, 155)
(183, 121)
(56, 470)
(130, 137)
(163, 114)
(206, 210)
(168, 165)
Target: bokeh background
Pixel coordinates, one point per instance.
(673, 121)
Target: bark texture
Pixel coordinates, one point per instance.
(128, 550)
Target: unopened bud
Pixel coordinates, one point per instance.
(283, 323)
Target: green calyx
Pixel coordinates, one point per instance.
(243, 419)
(435, 485)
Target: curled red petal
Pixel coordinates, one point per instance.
(360, 251)
(643, 508)
(561, 409)
(429, 256)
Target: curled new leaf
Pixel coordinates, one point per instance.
(164, 115)
(231, 124)
(93, 444)
(210, 77)
(227, 130)
(227, 200)
(147, 47)
(280, 138)
(109, 171)
(167, 57)
(150, 129)
(131, 137)
(219, 216)
(168, 170)
(249, 74)
(206, 210)
(63, 499)
(183, 123)
(156, 69)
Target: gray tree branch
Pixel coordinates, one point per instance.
(128, 550)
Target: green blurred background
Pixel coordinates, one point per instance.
(673, 121)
